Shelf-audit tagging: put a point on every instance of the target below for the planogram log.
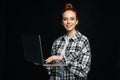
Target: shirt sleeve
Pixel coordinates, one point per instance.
(80, 63)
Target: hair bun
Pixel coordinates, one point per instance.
(68, 5)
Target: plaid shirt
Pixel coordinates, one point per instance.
(77, 57)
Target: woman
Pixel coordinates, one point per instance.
(72, 48)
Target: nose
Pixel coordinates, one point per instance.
(68, 21)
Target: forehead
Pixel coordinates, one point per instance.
(69, 13)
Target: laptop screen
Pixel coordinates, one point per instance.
(32, 48)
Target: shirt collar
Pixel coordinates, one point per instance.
(76, 37)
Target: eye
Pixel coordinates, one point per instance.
(64, 19)
(72, 18)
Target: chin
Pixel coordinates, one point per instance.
(68, 30)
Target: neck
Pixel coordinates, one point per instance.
(71, 33)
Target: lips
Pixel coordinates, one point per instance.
(68, 26)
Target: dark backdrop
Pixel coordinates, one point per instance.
(99, 21)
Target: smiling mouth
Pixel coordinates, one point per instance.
(68, 26)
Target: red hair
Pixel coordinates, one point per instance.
(69, 7)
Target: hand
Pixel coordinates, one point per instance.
(53, 58)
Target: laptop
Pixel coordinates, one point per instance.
(33, 50)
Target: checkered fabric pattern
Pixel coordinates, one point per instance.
(77, 57)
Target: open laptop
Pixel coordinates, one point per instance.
(33, 50)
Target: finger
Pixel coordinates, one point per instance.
(48, 60)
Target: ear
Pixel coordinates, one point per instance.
(77, 22)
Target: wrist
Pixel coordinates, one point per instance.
(60, 57)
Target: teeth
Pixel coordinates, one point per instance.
(69, 25)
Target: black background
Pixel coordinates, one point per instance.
(99, 21)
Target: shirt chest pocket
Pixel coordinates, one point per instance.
(75, 52)
(74, 48)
